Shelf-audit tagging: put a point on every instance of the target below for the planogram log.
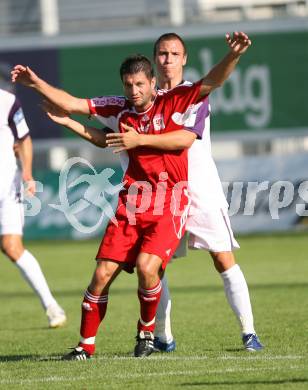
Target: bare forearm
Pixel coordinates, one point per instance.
(62, 99)
(219, 73)
(25, 152)
(174, 140)
(95, 136)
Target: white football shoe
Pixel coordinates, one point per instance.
(56, 316)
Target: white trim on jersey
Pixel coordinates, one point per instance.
(20, 123)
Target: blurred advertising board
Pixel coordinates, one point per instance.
(76, 203)
(266, 193)
(268, 89)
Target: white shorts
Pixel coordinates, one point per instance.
(12, 211)
(211, 230)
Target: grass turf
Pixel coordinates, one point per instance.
(209, 352)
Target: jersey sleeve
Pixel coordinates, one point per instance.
(188, 108)
(107, 110)
(196, 120)
(17, 121)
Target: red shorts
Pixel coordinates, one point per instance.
(154, 234)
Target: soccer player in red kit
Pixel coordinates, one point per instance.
(152, 207)
(152, 177)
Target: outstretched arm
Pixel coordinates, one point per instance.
(71, 104)
(91, 134)
(238, 44)
(173, 140)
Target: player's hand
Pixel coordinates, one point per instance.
(24, 75)
(30, 186)
(55, 113)
(238, 43)
(123, 141)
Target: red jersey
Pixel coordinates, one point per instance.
(170, 111)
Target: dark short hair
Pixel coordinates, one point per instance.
(135, 64)
(168, 37)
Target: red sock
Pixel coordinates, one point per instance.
(93, 312)
(149, 299)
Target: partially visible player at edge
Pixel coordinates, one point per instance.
(208, 221)
(139, 89)
(14, 129)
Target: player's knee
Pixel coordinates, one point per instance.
(103, 275)
(146, 270)
(101, 278)
(12, 248)
(223, 260)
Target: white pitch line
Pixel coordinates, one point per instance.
(142, 375)
(167, 357)
(163, 357)
(261, 357)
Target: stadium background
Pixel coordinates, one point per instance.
(260, 116)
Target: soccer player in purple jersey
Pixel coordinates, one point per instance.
(208, 223)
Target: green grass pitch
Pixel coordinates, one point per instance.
(209, 352)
